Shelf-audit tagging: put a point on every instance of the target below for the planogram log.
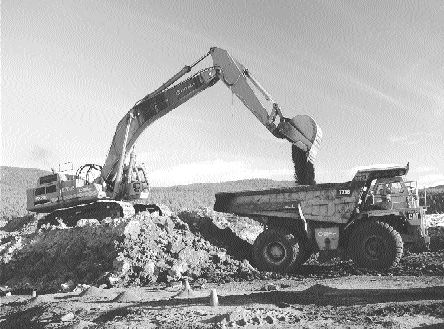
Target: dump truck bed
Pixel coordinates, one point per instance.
(329, 202)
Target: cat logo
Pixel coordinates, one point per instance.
(412, 215)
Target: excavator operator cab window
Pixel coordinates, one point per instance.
(39, 191)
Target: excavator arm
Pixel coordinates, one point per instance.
(301, 130)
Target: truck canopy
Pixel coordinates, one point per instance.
(367, 175)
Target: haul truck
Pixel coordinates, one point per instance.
(120, 189)
(371, 217)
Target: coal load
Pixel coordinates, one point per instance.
(304, 173)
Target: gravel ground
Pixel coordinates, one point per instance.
(120, 275)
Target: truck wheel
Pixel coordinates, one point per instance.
(275, 250)
(375, 245)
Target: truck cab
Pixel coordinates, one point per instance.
(392, 193)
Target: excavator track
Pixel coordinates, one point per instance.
(99, 210)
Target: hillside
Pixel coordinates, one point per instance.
(14, 182)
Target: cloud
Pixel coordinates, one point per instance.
(421, 170)
(213, 172)
(39, 153)
(430, 180)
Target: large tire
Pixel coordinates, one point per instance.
(375, 245)
(275, 250)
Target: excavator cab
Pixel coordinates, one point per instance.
(136, 186)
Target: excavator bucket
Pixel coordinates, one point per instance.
(304, 133)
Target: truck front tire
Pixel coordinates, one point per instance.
(275, 250)
(375, 245)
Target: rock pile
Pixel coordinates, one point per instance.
(201, 245)
(45, 259)
(166, 250)
(143, 250)
(234, 233)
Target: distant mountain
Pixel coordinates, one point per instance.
(14, 182)
(436, 189)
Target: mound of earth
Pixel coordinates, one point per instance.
(140, 251)
(201, 244)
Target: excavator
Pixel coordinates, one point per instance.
(117, 189)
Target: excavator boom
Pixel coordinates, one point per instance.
(149, 110)
(302, 131)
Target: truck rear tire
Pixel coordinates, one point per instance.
(375, 245)
(275, 250)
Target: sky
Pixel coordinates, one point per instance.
(371, 73)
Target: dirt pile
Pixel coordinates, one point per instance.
(223, 230)
(141, 251)
(44, 260)
(201, 244)
(167, 249)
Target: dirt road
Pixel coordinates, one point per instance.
(157, 252)
(345, 302)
